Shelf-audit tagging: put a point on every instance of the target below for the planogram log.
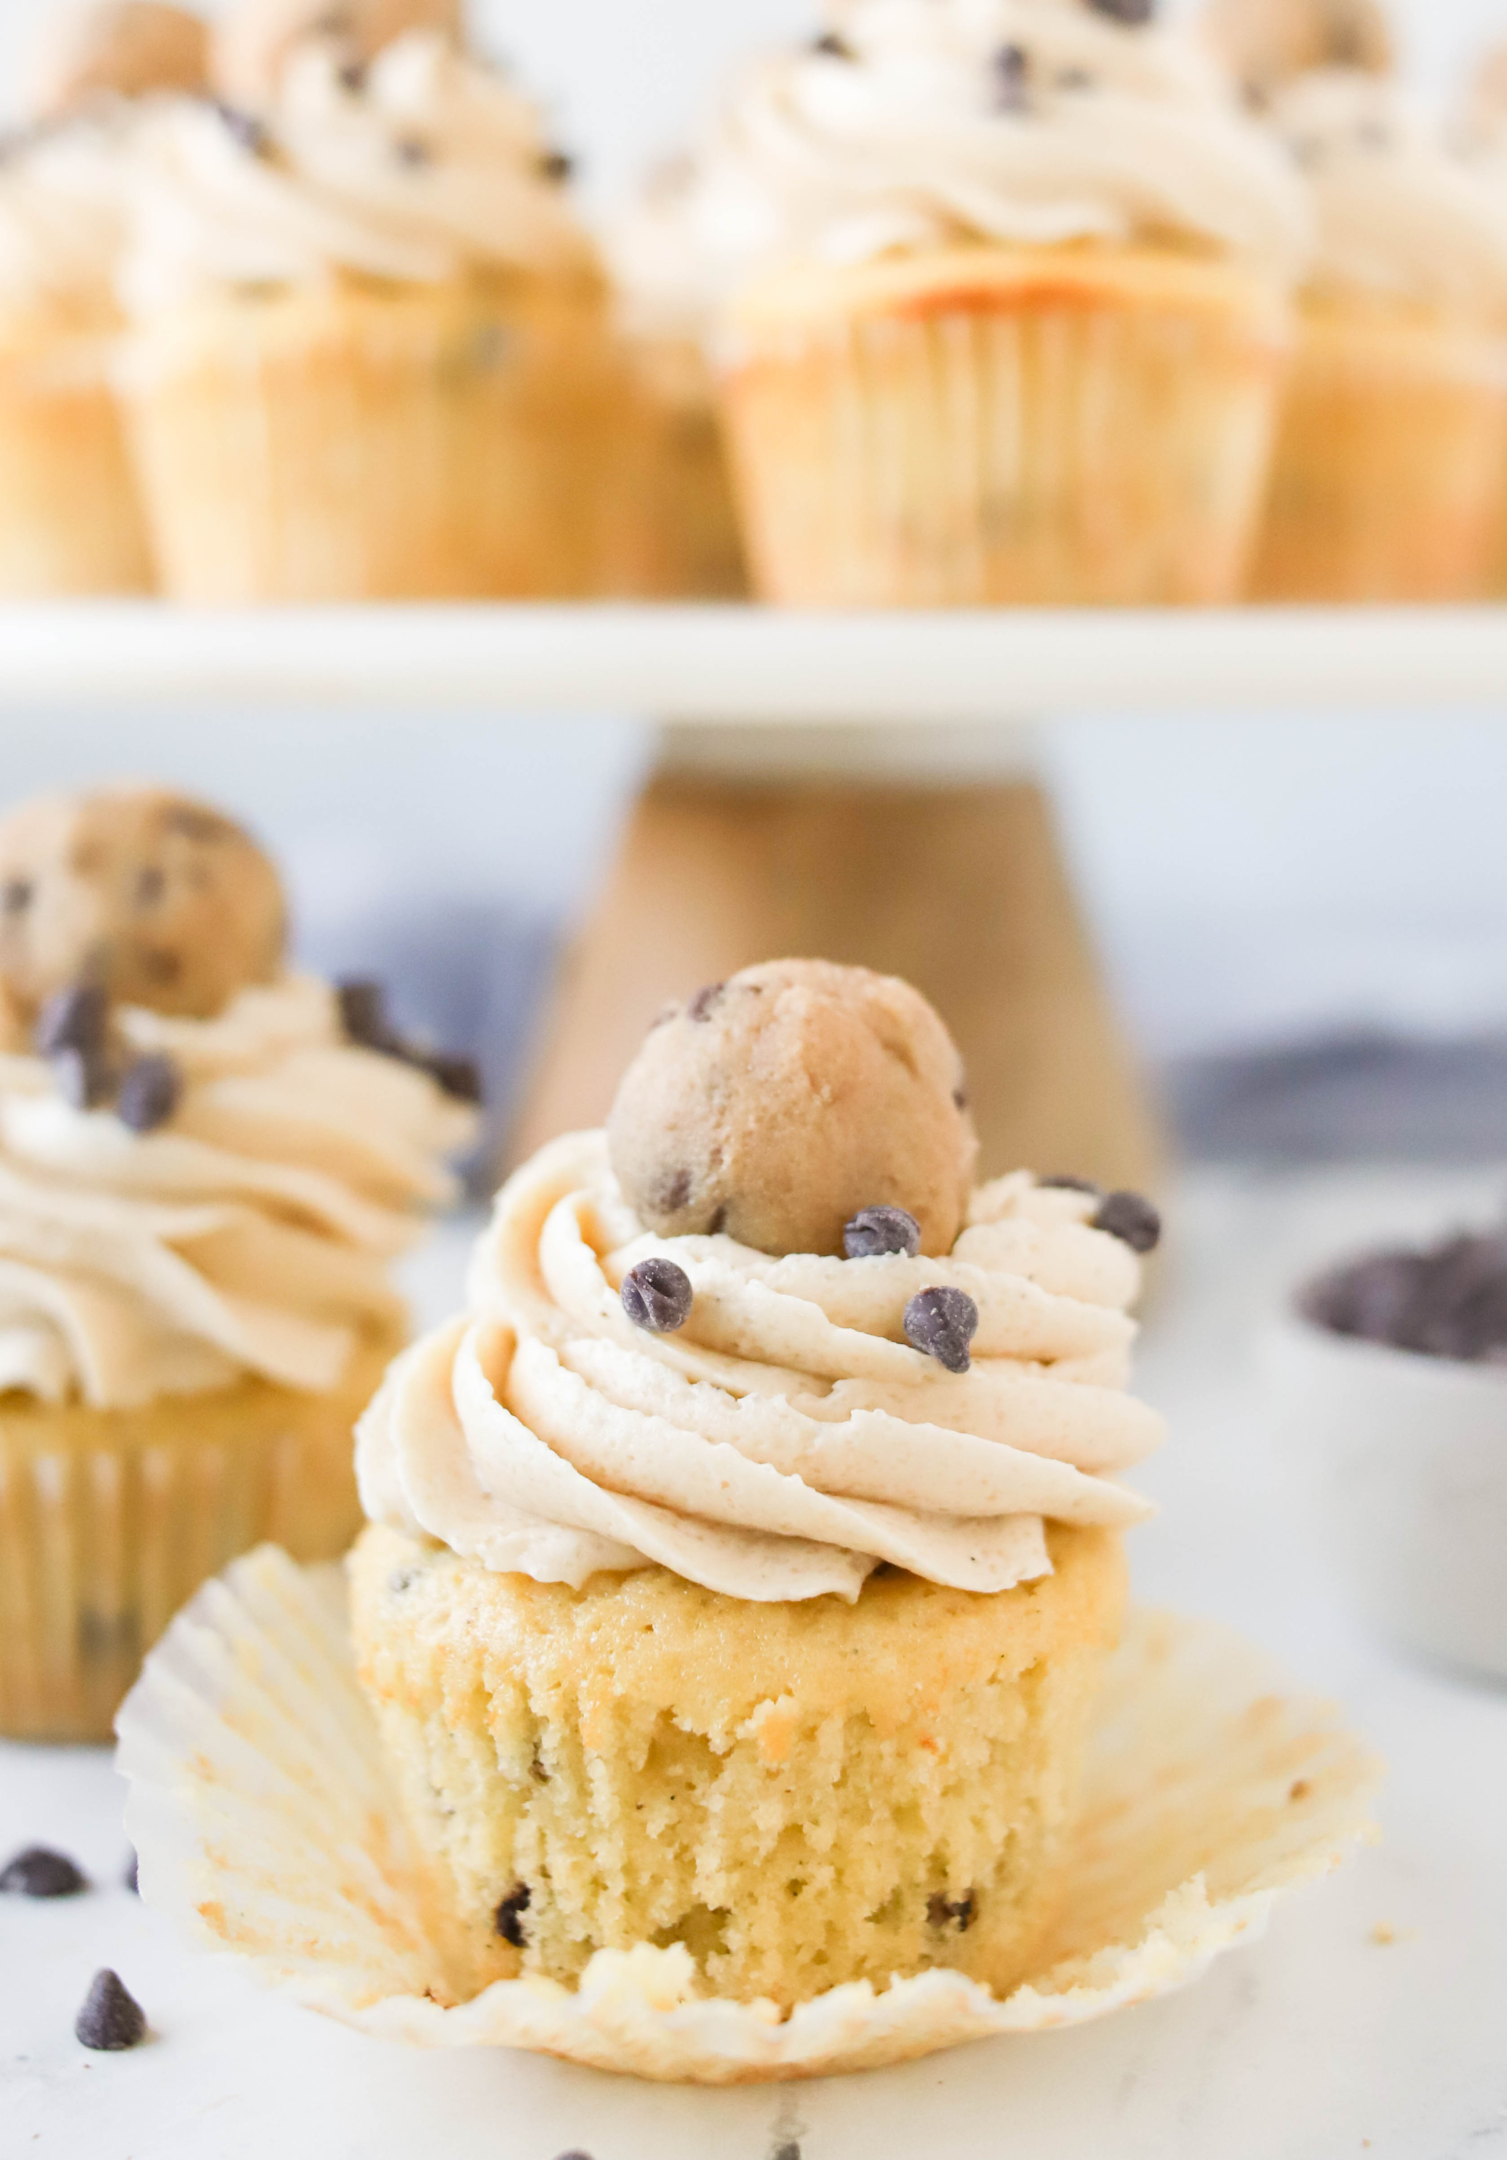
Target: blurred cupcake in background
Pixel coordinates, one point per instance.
(207, 1166)
(1023, 317)
(1388, 468)
(678, 535)
(69, 519)
(370, 356)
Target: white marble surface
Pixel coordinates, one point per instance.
(1320, 2042)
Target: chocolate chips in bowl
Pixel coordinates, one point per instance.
(1390, 1375)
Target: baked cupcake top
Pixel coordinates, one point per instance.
(418, 168)
(203, 1173)
(769, 1421)
(1396, 215)
(921, 124)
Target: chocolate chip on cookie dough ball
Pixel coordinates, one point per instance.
(144, 895)
(781, 1104)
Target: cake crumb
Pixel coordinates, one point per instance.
(1383, 1932)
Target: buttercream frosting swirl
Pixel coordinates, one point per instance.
(418, 168)
(252, 1233)
(1396, 215)
(787, 1440)
(62, 223)
(925, 123)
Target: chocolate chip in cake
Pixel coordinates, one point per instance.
(702, 1005)
(1011, 67)
(942, 1911)
(1071, 1184)
(1131, 1218)
(1134, 12)
(84, 1078)
(73, 1019)
(657, 1295)
(509, 1915)
(112, 2018)
(41, 1872)
(149, 1093)
(943, 1322)
(876, 1230)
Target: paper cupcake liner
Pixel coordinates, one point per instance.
(259, 1811)
(70, 520)
(350, 444)
(674, 529)
(1390, 466)
(1030, 447)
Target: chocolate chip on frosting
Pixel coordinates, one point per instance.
(943, 1911)
(362, 1004)
(85, 1078)
(943, 1322)
(1011, 67)
(508, 1918)
(149, 1093)
(73, 1019)
(111, 2018)
(657, 1295)
(1134, 12)
(876, 1230)
(1063, 1183)
(776, 1105)
(1131, 1218)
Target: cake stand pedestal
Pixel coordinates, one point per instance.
(929, 853)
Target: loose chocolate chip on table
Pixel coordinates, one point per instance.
(943, 1322)
(1131, 1218)
(876, 1230)
(72, 1019)
(657, 1295)
(111, 2018)
(84, 1078)
(149, 1093)
(509, 1916)
(700, 1006)
(129, 1878)
(40, 1872)
(955, 1912)
(1071, 1184)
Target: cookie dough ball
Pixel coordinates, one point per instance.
(253, 39)
(162, 901)
(122, 48)
(1266, 43)
(778, 1104)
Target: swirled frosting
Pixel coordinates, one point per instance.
(422, 166)
(923, 123)
(62, 226)
(251, 1233)
(787, 1439)
(1396, 214)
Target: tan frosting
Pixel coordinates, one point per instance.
(921, 136)
(62, 224)
(426, 164)
(787, 1439)
(250, 1234)
(1396, 215)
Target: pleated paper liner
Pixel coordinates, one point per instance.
(259, 1812)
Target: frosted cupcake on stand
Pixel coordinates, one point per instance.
(207, 1167)
(370, 355)
(69, 518)
(1387, 474)
(1023, 314)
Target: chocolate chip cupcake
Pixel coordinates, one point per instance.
(743, 1563)
(203, 1181)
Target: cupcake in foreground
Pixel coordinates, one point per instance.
(203, 1181)
(370, 357)
(1387, 472)
(1023, 316)
(69, 518)
(744, 1562)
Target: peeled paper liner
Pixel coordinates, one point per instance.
(262, 1825)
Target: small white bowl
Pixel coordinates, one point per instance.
(1409, 1456)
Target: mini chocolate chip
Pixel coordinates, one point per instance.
(16, 895)
(788, 2151)
(401, 1579)
(131, 1879)
(111, 2018)
(409, 150)
(1071, 1184)
(657, 1295)
(835, 47)
(556, 165)
(701, 1005)
(41, 1872)
(960, 1098)
(718, 1222)
(363, 1012)
(149, 1093)
(73, 1019)
(245, 129)
(509, 1915)
(942, 1911)
(151, 884)
(84, 1078)
(671, 1196)
(876, 1230)
(1131, 1218)
(1011, 66)
(942, 1322)
(1134, 12)
(353, 77)
(161, 966)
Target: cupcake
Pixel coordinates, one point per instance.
(1021, 316)
(203, 1181)
(1387, 474)
(69, 519)
(370, 356)
(744, 1562)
